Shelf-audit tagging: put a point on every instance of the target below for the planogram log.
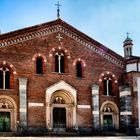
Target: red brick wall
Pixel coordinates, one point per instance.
(20, 55)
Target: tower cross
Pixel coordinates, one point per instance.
(58, 10)
(127, 35)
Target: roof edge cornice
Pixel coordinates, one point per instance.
(43, 29)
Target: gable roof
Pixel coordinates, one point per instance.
(28, 33)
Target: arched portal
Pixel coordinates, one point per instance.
(8, 114)
(109, 116)
(61, 111)
(61, 107)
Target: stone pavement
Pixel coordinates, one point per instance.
(71, 138)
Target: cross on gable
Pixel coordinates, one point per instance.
(58, 10)
(59, 37)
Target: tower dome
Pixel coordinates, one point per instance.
(127, 44)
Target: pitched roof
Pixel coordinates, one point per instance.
(133, 59)
(61, 26)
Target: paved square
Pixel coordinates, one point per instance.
(70, 138)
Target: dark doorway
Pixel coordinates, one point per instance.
(4, 121)
(59, 119)
(108, 122)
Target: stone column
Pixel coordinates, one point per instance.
(125, 106)
(23, 101)
(95, 107)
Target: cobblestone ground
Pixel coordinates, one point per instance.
(70, 138)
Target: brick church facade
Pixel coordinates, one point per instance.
(55, 78)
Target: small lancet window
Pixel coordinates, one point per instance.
(79, 69)
(4, 78)
(107, 86)
(59, 62)
(39, 65)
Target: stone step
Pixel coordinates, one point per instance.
(7, 134)
(64, 133)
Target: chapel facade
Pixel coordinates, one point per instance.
(55, 78)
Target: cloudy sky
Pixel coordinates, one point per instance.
(107, 21)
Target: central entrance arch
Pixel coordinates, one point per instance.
(61, 99)
(8, 114)
(109, 116)
(61, 110)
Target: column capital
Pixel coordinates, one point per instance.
(125, 91)
(22, 80)
(95, 89)
(124, 88)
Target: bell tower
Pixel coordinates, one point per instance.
(127, 44)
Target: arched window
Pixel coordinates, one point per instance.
(4, 78)
(39, 65)
(59, 62)
(107, 86)
(79, 69)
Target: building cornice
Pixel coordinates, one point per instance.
(60, 26)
